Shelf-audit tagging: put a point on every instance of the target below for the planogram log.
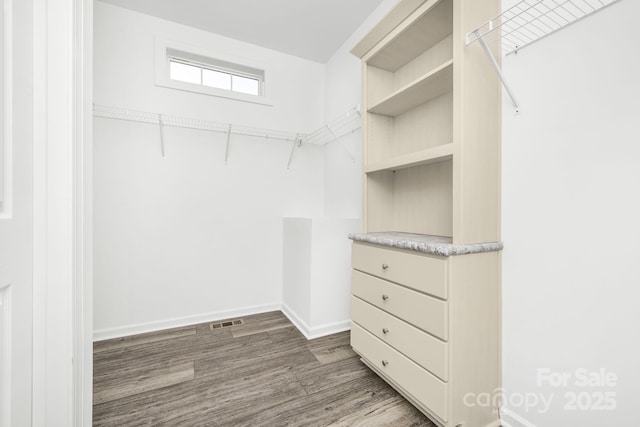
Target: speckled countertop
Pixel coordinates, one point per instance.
(436, 245)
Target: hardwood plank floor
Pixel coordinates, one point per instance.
(144, 379)
(263, 372)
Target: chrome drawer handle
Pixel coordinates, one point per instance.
(385, 331)
(385, 297)
(385, 363)
(385, 266)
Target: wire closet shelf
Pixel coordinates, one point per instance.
(337, 128)
(531, 20)
(331, 131)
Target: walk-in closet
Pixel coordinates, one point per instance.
(319, 213)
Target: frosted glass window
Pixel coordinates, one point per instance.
(246, 85)
(216, 79)
(185, 73)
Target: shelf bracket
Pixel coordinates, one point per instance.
(226, 153)
(296, 143)
(496, 67)
(337, 139)
(161, 124)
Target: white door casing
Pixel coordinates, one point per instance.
(62, 357)
(45, 219)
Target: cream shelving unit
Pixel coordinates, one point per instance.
(426, 269)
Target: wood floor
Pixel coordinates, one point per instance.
(261, 373)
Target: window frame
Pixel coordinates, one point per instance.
(224, 70)
(167, 51)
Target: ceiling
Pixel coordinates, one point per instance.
(311, 29)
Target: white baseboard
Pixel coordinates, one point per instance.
(296, 320)
(329, 329)
(317, 331)
(511, 419)
(109, 333)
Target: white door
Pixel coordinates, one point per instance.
(16, 213)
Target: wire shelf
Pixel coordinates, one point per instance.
(332, 131)
(346, 124)
(531, 20)
(192, 123)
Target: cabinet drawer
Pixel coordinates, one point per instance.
(424, 349)
(420, 384)
(419, 272)
(422, 311)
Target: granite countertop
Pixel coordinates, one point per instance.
(436, 245)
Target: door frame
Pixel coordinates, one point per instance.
(62, 233)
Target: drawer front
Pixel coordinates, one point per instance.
(424, 349)
(423, 387)
(422, 311)
(419, 272)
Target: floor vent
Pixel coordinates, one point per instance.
(225, 324)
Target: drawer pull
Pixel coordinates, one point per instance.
(385, 331)
(385, 266)
(385, 363)
(385, 297)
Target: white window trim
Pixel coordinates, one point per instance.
(162, 72)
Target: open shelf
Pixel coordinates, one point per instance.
(427, 87)
(417, 199)
(433, 23)
(423, 157)
(420, 129)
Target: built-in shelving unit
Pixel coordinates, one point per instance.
(408, 124)
(428, 323)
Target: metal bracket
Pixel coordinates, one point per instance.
(226, 153)
(161, 123)
(296, 143)
(335, 137)
(496, 67)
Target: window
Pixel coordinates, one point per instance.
(209, 72)
(206, 75)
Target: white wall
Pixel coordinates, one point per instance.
(187, 238)
(570, 217)
(331, 282)
(316, 288)
(296, 267)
